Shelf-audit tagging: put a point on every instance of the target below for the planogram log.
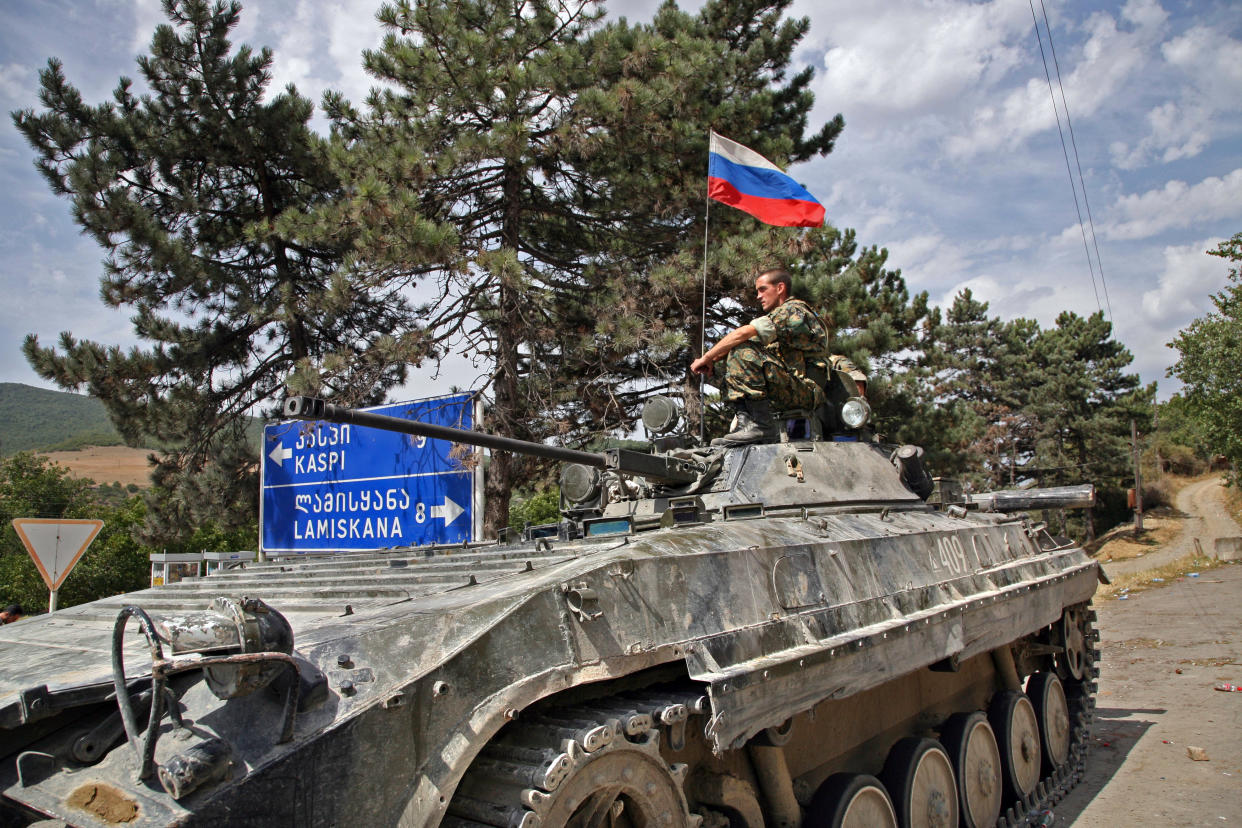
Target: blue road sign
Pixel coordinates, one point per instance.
(331, 487)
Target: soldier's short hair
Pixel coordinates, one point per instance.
(778, 276)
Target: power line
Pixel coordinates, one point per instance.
(1074, 143)
(1065, 151)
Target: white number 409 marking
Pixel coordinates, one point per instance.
(950, 554)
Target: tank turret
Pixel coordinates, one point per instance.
(812, 631)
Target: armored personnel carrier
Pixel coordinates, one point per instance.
(802, 632)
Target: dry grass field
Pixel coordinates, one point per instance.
(106, 464)
(1159, 528)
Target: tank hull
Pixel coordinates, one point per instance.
(432, 656)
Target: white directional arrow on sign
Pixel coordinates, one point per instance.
(449, 511)
(280, 454)
(56, 545)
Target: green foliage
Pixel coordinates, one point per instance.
(1210, 350)
(533, 510)
(1156, 495)
(1084, 401)
(1005, 402)
(32, 486)
(1177, 443)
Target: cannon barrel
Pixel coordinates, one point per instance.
(1021, 500)
(310, 408)
(667, 470)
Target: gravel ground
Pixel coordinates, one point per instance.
(1163, 651)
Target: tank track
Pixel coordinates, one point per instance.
(1080, 697)
(512, 782)
(523, 766)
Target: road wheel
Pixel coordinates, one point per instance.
(919, 778)
(971, 745)
(1017, 736)
(1047, 694)
(1074, 630)
(851, 800)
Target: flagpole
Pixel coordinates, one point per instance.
(707, 220)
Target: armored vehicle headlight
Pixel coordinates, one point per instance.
(660, 415)
(231, 626)
(579, 483)
(855, 413)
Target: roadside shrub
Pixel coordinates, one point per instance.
(1156, 495)
(539, 508)
(1177, 459)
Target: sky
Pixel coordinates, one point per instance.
(951, 156)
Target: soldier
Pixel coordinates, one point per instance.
(767, 361)
(11, 613)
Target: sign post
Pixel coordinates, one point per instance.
(56, 546)
(329, 487)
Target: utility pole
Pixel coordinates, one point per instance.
(1138, 481)
(1155, 429)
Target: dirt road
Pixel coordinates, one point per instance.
(1148, 712)
(1203, 503)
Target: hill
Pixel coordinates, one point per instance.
(38, 419)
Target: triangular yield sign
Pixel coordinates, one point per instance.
(56, 545)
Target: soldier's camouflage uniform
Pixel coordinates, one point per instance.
(842, 363)
(773, 364)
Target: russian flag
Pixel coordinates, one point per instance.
(742, 178)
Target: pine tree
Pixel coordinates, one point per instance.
(570, 158)
(976, 369)
(184, 187)
(1083, 401)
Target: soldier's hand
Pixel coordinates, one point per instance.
(701, 366)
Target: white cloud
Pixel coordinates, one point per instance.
(1145, 14)
(147, 15)
(357, 32)
(1211, 58)
(1175, 205)
(319, 46)
(1185, 277)
(15, 82)
(1021, 287)
(937, 261)
(1208, 66)
(1184, 285)
(1110, 57)
(300, 37)
(1177, 131)
(910, 57)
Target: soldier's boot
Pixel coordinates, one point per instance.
(752, 424)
